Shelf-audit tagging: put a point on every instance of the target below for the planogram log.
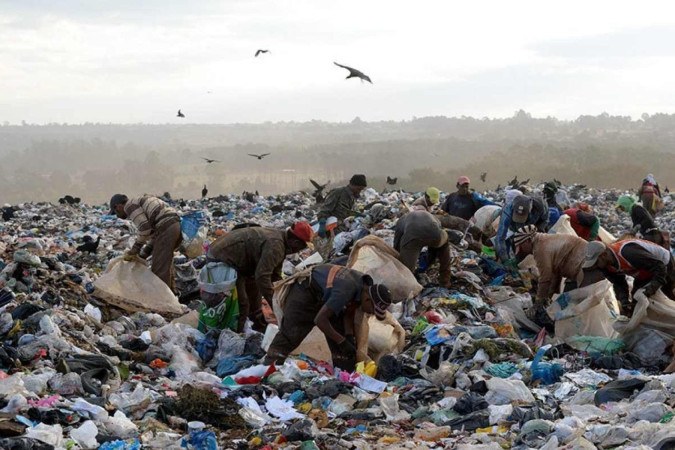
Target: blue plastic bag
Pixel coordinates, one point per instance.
(191, 223)
(200, 440)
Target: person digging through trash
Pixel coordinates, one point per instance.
(557, 256)
(643, 221)
(650, 195)
(584, 223)
(328, 299)
(339, 203)
(257, 254)
(158, 235)
(522, 210)
(650, 265)
(430, 199)
(464, 203)
(419, 229)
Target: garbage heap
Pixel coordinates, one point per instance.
(451, 368)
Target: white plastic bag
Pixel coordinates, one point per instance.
(216, 278)
(132, 286)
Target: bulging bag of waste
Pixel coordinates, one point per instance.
(563, 226)
(193, 229)
(587, 311)
(372, 256)
(131, 286)
(220, 304)
(656, 312)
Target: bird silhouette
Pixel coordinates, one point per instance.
(353, 73)
(209, 161)
(261, 51)
(667, 191)
(89, 246)
(524, 183)
(391, 180)
(259, 156)
(180, 114)
(204, 192)
(514, 182)
(319, 188)
(483, 176)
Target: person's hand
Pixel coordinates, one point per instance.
(130, 255)
(145, 252)
(322, 229)
(650, 290)
(346, 347)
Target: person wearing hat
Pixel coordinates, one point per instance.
(464, 203)
(428, 200)
(584, 223)
(158, 228)
(257, 254)
(650, 195)
(339, 202)
(557, 256)
(643, 221)
(328, 299)
(419, 229)
(523, 210)
(650, 265)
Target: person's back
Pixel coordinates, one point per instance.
(244, 247)
(149, 213)
(417, 225)
(557, 256)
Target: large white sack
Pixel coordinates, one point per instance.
(131, 285)
(592, 311)
(372, 256)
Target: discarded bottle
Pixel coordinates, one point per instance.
(548, 373)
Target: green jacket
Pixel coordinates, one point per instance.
(339, 203)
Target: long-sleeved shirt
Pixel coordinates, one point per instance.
(464, 206)
(339, 203)
(346, 288)
(557, 256)
(586, 225)
(642, 219)
(254, 252)
(422, 201)
(149, 215)
(538, 217)
(418, 226)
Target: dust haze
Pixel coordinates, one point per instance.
(93, 161)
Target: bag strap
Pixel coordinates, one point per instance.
(331, 276)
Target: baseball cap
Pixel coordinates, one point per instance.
(521, 208)
(115, 200)
(463, 180)
(381, 299)
(434, 194)
(593, 251)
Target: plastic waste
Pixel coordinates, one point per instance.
(501, 392)
(200, 440)
(617, 390)
(548, 373)
(85, 435)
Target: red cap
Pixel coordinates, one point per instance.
(463, 180)
(302, 231)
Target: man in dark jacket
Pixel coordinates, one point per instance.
(649, 264)
(464, 203)
(419, 229)
(328, 299)
(257, 254)
(643, 222)
(339, 203)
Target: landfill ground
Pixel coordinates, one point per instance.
(79, 372)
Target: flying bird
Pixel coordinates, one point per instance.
(259, 156)
(204, 192)
(209, 161)
(261, 51)
(483, 176)
(391, 181)
(180, 114)
(353, 73)
(89, 246)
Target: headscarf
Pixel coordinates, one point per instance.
(524, 234)
(583, 206)
(626, 202)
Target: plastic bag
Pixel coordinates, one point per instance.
(218, 281)
(132, 286)
(656, 312)
(591, 311)
(194, 234)
(502, 392)
(372, 256)
(85, 435)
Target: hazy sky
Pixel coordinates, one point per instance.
(139, 61)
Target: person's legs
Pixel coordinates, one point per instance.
(164, 245)
(298, 321)
(255, 305)
(409, 254)
(444, 272)
(244, 306)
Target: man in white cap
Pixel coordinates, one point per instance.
(464, 203)
(650, 265)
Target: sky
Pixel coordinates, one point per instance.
(127, 61)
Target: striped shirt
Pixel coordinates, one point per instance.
(149, 214)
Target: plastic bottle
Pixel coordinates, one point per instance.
(548, 373)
